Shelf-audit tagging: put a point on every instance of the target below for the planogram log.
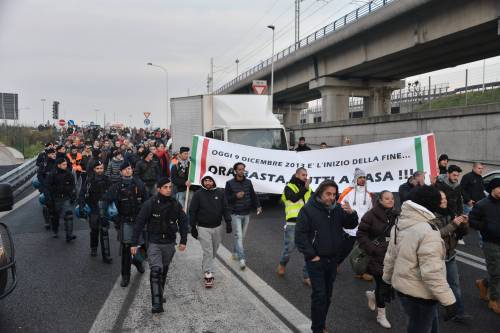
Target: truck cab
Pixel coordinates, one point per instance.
(269, 138)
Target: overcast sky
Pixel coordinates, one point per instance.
(92, 54)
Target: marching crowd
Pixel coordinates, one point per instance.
(407, 247)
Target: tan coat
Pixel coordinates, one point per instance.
(414, 262)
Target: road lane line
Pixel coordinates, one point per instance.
(471, 263)
(471, 256)
(20, 203)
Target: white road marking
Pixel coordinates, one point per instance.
(19, 204)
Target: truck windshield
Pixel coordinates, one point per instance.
(270, 138)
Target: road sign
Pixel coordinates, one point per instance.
(259, 87)
(147, 114)
(71, 122)
(61, 122)
(147, 122)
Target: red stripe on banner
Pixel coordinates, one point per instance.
(203, 165)
(431, 144)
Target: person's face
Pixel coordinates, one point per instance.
(361, 181)
(74, 151)
(127, 172)
(62, 150)
(478, 169)
(87, 149)
(444, 163)
(63, 165)
(387, 200)
(184, 155)
(140, 149)
(99, 170)
(302, 175)
(240, 170)
(166, 190)
(444, 203)
(302, 142)
(453, 177)
(328, 196)
(322, 146)
(153, 149)
(495, 193)
(149, 157)
(52, 156)
(420, 180)
(208, 183)
(96, 144)
(161, 147)
(106, 144)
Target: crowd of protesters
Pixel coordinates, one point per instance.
(130, 177)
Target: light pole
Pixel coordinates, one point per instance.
(166, 85)
(96, 110)
(272, 66)
(237, 63)
(43, 110)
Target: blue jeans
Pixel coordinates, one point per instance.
(322, 274)
(422, 314)
(454, 282)
(289, 247)
(240, 225)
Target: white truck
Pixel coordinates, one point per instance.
(243, 119)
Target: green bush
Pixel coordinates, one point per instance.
(27, 140)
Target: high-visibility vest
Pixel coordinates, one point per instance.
(75, 163)
(292, 208)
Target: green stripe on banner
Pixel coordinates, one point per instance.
(418, 153)
(192, 166)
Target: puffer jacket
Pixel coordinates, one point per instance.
(373, 232)
(414, 262)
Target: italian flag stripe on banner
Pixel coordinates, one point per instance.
(425, 152)
(198, 167)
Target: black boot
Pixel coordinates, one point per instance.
(163, 281)
(156, 290)
(106, 252)
(68, 225)
(125, 265)
(94, 242)
(47, 218)
(138, 265)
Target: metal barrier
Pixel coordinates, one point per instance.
(353, 16)
(20, 177)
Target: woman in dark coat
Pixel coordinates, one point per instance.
(373, 234)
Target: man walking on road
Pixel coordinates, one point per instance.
(241, 198)
(472, 187)
(485, 217)
(206, 211)
(164, 217)
(180, 176)
(416, 180)
(448, 183)
(318, 235)
(295, 195)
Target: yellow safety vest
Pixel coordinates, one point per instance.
(292, 208)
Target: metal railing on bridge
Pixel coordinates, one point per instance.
(20, 177)
(349, 18)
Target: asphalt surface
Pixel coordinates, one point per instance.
(349, 311)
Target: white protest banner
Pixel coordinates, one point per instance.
(387, 164)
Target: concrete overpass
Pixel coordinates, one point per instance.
(369, 56)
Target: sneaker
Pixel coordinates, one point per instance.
(209, 280)
(281, 270)
(242, 264)
(370, 295)
(461, 242)
(70, 238)
(382, 319)
(494, 306)
(235, 257)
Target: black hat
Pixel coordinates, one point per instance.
(495, 182)
(443, 157)
(60, 160)
(183, 149)
(97, 163)
(162, 181)
(124, 165)
(50, 151)
(59, 147)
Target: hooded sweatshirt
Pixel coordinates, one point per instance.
(414, 263)
(208, 207)
(359, 198)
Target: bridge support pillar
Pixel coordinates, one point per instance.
(335, 104)
(291, 113)
(378, 103)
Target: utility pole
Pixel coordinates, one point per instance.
(297, 20)
(211, 76)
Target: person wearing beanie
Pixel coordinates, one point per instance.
(113, 169)
(443, 164)
(206, 211)
(360, 199)
(148, 171)
(92, 193)
(164, 218)
(180, 176)
(60, 196)
(128, 195)
(449, 184)
(414, 265)
(485, 217)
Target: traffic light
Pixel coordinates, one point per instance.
(55, 110)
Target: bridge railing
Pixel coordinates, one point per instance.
(19, 178)
(349, 18)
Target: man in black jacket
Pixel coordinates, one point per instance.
(485, 217)
(206, 211)
(60, 196)
(241, 198)
(164, 217)
(472, 187)
(319, 236)
(415, 180)
(44, 169)
(148, 171)
(448, 183)
(180, 176)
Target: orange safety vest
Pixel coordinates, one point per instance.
(75, 163)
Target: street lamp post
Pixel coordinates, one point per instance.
(272, 27)
(166, 85)
(237, 63)
(43, 110)
(96, 110)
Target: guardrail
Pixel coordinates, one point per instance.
(353, 16)
(19, 178)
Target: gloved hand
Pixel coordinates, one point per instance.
(386, 292)
(229, 228)
(194, 232)
(450, 311)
